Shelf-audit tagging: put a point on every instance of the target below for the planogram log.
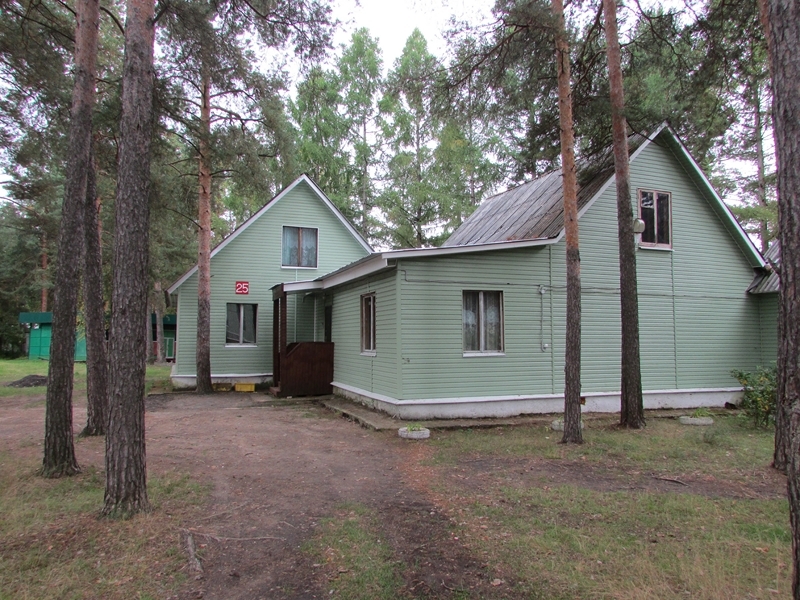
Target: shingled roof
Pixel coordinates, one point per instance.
(534, 210)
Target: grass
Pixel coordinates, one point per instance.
(359, 566)
(729, 449)
(567, 541)
(12, 370)
(54, 545)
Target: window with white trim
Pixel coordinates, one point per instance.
(368, 324)
(299, 247)
(482, 321)
(655, 209)
(240, 326)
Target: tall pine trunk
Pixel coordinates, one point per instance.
(96, 349)
(784, 26)
(158, 309)
(631, 403)
(572, 361)
(43, 301)
(126, 474)
(59, 450)
(203, 353)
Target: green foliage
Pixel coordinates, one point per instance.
(760, 394)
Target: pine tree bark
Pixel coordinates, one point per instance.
(784, 31)
(126, 474)
(203, 352)
(631, 402)
(96, 349)
(158, 309)
(59, 450)
(43, 303)
(572, 362)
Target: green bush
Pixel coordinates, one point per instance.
(760, 394)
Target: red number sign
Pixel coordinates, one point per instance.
(242, 287)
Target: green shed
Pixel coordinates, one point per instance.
(40, 330)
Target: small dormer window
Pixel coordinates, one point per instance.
(299, 247)
(655, 209)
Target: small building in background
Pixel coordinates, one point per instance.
(39, 330)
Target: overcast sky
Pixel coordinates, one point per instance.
(392, 21)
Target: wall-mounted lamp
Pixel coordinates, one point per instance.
(638, 226)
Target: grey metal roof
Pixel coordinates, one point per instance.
(534, 210)
(767, 281)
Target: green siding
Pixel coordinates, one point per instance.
(255, 256)
(697, 322)
(374, 373)
(768, 315)
(433, 364)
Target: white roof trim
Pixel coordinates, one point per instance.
(728, 215)
(698, 171)
(315, 188)
(380, 261)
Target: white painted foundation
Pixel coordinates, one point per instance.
(184, 382)
(511, 406)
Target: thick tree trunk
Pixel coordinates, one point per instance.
(59, 451)
(126, 474)
(784, 24)
(203, 355)
(572, 363)
(96, 349)
(783, 44)
(631, 403)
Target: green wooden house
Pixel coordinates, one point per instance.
(298, 235)
(477, 327)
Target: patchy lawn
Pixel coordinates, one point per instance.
(670, 511)
(284, 500)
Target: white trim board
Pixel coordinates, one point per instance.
(513, 405)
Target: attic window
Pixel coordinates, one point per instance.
(655, 209)
(299, 247)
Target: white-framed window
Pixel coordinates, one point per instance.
(482, 321)
(655, 209)
(299, 247)
(368, 324)
(240, 325)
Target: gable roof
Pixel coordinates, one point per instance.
(302, 179)
(535, 210)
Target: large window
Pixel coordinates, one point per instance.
(368, 323)
(299, 247)
(482, 319)
(240, 327)
(655, 211)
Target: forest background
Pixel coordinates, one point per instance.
(406, 150)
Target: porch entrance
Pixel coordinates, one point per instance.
(300, 368)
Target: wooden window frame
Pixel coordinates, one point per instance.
(300, 231)
(483, 351)
(240, 313)
(368, 321)
(656, 194)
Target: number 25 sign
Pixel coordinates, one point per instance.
(242, 287)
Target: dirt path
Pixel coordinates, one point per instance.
(275, 471)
